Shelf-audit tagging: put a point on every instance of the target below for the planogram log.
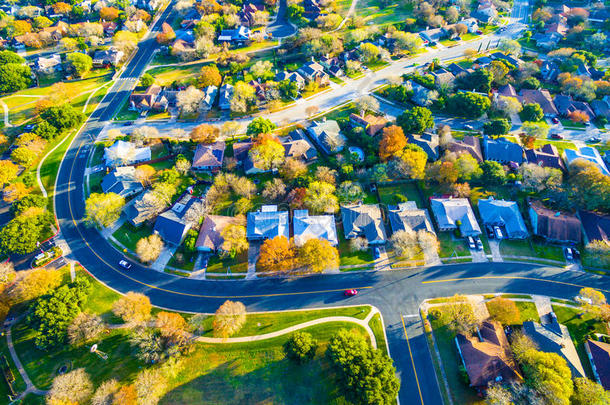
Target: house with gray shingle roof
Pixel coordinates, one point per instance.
(327, 135)
(428, 142)
(406, 216)
(599, 356)
(267, 223)
(122, 181)
(209, 157)
(454, 213)
(505, 214)
(172, 225)
(210, 235)
(307, 227)
(553, 337)
(502, 150)
(363, 221)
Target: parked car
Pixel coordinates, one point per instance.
(498, 232)
(576, 253)
(583, 300)
(376, 253)
(468, 127)
(594, 139)
(490, 232)
(479, 244)
(350, 293)
(479, 32)
(556, 136)
(471, 243)
(569, 254)
(555, 120)
(125, 264)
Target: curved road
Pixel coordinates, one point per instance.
(396, 294)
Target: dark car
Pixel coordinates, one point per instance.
(350, 293)
(556, 136)
(555, 120)
(125, 264)
(29, 127)
(479, 32)
(376, 253)
(594, 139)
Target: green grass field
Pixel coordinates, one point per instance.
(238, 264)
(128, 235)
(450, 246)
(387, 193)
(349, 258)
(518, 247)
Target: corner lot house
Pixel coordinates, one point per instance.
(307, 227)
(554, 226)
(505, 214)
(363, 221)
(454, 213)
(553, 337)
(267, 224)
(487, 359)
(588, 153)
(406, 216)
(125, 153)
(210, 235)
(599, 356)
(122, 181)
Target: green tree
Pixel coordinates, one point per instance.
(497, 126)
(320, 198)
(147, 80)
(365, 375)
(30, 200)
(103, 210)
(479, 80)
(22, 232)
(14, 77)
(7, 57)
(81, 63)
(45, 130)
(295, 12)
(63, 116)
(493, 172)
(259, 126)
(415, 120)
(588, 187)
(469, 105)
(267, 152)
(288, 89)
(549, 374)
(587, 392)
(301, 347)
(532, 112)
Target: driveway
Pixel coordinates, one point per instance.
(281, 27)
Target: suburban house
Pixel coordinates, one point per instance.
(172, 225)
(246, 15)
(48, 65)
(454, 213)
(226, 93)
(144, 101)
(406, 216)
(547, 40)
(549, 71)
(237, 36)
(502, 150)
(122, 181)
(364, 220)
(327, 135)
(298, 148)
(554, 226)
(210, 235)
(566, 105)
(485, 12)
(600, 108)
(588, 153)
(487, 356)
(241, 152)
(471, 24)
(508, 90)
(432, 35)
(135, 216)
(553, 337)
(429, 142)
(599, 356)
(292, 76)
(545, 156)
(372, 124)
(542, 98)
(267, 224)
(506, 58)
(596, 227)
(505, 214)
(125, 153)
(210, 93)
(442, 77)
(209, 157)
(314, 72)
(109, 57)
(307, 227)
(470, 144)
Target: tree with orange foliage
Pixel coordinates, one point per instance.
(62, 8)
(166, 35)
(578, 116)
(14, 192)
(204, 133)
(109, 13)
(277, 254)
(392, 141)
(447, 173)
(267, 152)
(527, 141)
(171, 324)
(127, 395)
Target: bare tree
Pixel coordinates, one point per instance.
(149, 249)
(229, 318)
(405, 243)
(326, 175)
(182, 165)
(72, 387)
(188, 100)
(367, 103)
(196, 212)
(7, 272)
(85, 327)
(358, 244)
(274, 190)
(104, 394)
(229, 129)
(150, 386)
(428, 243)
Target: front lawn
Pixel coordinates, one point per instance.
(580, 324)
(349, 258)
(527, 248)
(183, 259)
(528, 311)
(451, 246)
(560, 145)
(128, 235)
(237, 264)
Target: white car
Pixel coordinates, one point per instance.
(471, 243)
(125, 264)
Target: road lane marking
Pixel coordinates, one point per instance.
(404, 328)
(450, 280)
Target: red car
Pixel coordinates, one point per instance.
(350, 293)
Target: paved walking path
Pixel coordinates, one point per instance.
(30, 387)
(5, 108)
(362, 322)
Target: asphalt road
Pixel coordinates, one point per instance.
(397, 294)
